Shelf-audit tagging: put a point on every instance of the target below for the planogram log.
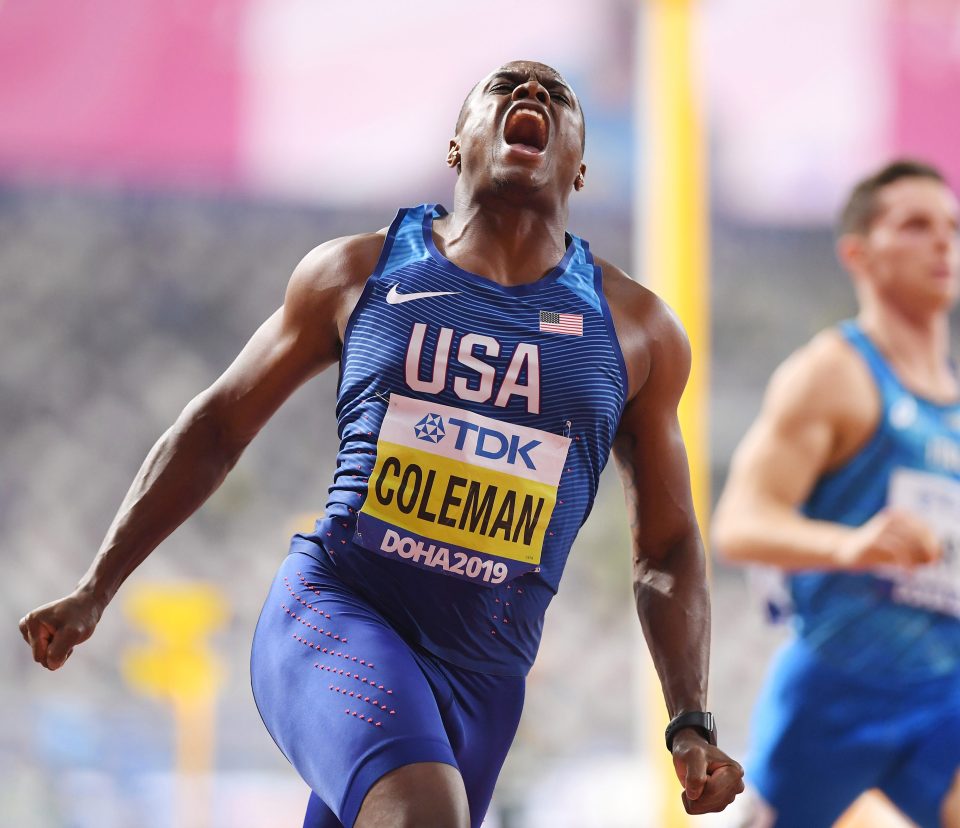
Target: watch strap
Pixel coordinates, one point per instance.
(697, 719)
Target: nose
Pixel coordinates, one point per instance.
(531, 89)
(947, 237)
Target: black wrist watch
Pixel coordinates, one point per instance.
(698, 720)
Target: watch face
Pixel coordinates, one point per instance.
(711, 728)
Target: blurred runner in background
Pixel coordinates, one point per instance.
(849, 482)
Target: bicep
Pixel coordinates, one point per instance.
(650, 451)
(276, 361)
(295, 343)
(779, 459)
(789, 444)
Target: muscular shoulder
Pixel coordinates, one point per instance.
(330, 278)
(826, 375)
(340, 263)
(826, 381)
(651, 337)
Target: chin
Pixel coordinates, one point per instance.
(941, 302)
(519, 181)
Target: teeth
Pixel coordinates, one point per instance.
(519, 133)
(539, 115)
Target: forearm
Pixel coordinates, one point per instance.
(673, 603)
(778, 536)
(185, 466)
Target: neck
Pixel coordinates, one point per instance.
(918, 346)
(509, 240)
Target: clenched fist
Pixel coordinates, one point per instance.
(53, 630)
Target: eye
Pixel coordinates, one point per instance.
(501, 87)
(916, 224)
(560, 98)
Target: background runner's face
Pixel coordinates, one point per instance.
(523, 128)
(912, 250)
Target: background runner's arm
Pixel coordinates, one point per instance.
(816, 412)
(190, 461)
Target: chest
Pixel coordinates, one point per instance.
(511, 362)
(923, 435)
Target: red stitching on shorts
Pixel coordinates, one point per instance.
(312, 608)
(316, 646)
(310, 626)
(360, 717)
(354, 695)
(310, 587)
(300, 600)
(347, 674)
(346, 656)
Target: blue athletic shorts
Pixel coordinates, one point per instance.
(347, 699)
(822, 737)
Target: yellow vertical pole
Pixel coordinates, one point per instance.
(672, 220)
(194, 723)
(674, 206)
(178, 666)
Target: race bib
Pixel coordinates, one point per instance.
(459, 493)
(935, 500)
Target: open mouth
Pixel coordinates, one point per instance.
(526, 129)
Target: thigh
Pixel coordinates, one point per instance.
(812, 753)
(422, 795)
(481, 721)
(341, 693)
(874, 810)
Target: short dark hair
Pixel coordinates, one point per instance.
(861, 209)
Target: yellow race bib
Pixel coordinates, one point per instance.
(455, 492)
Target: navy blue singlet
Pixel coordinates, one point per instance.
(474, 421)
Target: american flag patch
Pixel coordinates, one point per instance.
(562, 323)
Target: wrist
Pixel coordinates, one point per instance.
(95, 593)
(845, 549)
(699, 722)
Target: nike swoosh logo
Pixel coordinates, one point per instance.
(394, 298)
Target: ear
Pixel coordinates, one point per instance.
(851, 251)
(579, 183)
(453, 155)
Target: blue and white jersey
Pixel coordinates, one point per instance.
(895, 625)
(474, 421)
